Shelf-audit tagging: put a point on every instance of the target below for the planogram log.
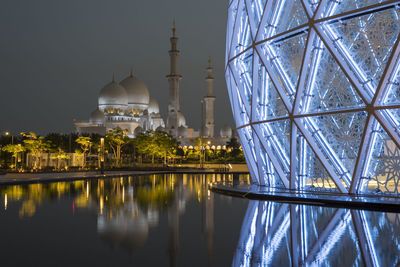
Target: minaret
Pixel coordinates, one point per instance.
(173, 80)
(209, 99)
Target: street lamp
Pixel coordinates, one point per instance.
(102, 155)
(7, 133)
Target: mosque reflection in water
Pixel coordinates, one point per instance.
(127, 208)
(272, 234)
(279, 234)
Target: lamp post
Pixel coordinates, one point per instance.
(7, 133)
(102, 155)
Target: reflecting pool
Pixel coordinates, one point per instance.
(155, 220)
(174, 220)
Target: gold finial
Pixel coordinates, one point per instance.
(131, 73)
(113, 78)
(209, 61)
(173, 27)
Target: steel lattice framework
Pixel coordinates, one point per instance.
(315, 92)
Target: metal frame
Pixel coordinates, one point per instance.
(318, 21)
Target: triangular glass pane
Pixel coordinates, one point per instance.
(311, 175)
(242, 39)
(286, 56)
(238, 107)
(381, 170)
(283, 16)
(242, 67)
(338, 7)
(368, 40)
(267, 171)
(269, 104)
(256, 9)
(327, 87)
(232, 14)
(339, 137)
(247, 141)
(277, 136)
(392, 90)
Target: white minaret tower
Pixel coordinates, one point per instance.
(174, 79)
(209, 99)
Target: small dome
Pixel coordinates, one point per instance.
(97, 117)
(181, 119)
(153, 106)
(113, 95)
(204, 131)
(160, 129)
(138, 130)
(137, 91)
(226, 131)
(182, 131)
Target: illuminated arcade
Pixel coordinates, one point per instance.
(314, 88)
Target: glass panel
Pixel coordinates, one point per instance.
(286, 56)
(382, 167)
(327, 88)
(368, 41)
(336, 7)
(256, 9)
(277, 136)
(310, 173)
(285, 16)
(269, 103)
(339, 137)
(242, 39)
(242, 66)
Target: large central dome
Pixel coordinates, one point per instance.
(138, 94)
(113, 96)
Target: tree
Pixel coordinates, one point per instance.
(166, 145)
(116, 139)
(146, 145)
(86, 144)
(14, 150)
(36, 145)
(60, 157)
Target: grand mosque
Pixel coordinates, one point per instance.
(128, 105)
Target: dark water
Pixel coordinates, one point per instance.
(157, 220)
(173, 220)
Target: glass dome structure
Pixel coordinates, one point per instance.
(315, 92)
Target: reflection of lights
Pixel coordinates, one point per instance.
(87, 190)
(101, 205)
(5, 202)
(123, 194)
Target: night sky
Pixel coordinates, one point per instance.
(55, 56)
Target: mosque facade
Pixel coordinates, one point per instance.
(128, 105)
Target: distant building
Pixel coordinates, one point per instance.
(128, 105)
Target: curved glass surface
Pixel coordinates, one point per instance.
(315, 93)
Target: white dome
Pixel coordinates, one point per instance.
(226, 131)
(204, 131)
(181, 119)
(113, 95)
(153, 106)
(97, 117)
(182, 131)
(138, 94)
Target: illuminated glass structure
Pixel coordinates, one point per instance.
(278, 234)
(315, 92)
